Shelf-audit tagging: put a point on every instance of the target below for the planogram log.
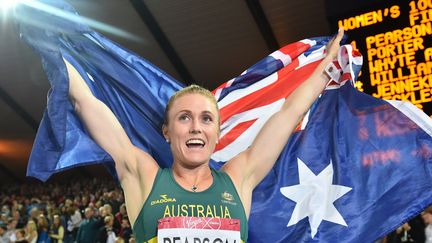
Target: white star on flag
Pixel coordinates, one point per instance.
(314, 197)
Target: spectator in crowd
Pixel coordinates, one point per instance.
(119, 217)
(11, 227)
(31, 231)
(417, 229)
(57, 230)
(5, 211)
(412, 231)
(126, 230)
(108, 209)
(102, 213)
(33, 210)
(17, 216)
(3, 236)
(119, 240)
(115, 200)
(77, 203)
(69, 236)
(73, 222)
(20, 236)
(107, 232)
(402, 234)
(427, 217)
(132, 240)
(85, 202)
(49, 212)
(3, 218)
(42, 228)
(62, 213)
(89, 229)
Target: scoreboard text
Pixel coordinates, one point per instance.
(395, 42)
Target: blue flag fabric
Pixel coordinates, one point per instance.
(354, 171)
(134, 89)
(356, 168)
(380, 161)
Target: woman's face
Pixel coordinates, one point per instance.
(57, 221)
(18, 234)
(192, 130)
(123, 210)
(31, 226)
(427, 217)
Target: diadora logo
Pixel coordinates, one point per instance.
(164, 199)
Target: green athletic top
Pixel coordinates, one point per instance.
(168, 199)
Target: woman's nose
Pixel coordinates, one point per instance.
(195, 129)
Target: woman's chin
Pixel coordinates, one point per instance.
(196, 162)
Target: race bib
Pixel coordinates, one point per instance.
(198, 230)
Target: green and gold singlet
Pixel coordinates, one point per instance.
(168, 199)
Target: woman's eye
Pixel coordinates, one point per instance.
(184, 117)
(207, 119)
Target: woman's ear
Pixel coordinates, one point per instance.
(165, 133)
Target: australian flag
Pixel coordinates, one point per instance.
(356, 168)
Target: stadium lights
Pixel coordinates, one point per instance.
(8, 4)
(55, 11)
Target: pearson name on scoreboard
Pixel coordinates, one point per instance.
(396, 43)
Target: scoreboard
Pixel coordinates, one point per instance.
(395, 39)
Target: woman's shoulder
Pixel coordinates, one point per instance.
(221, 175)
(218, 172)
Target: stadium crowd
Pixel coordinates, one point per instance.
(93, 211)
(84, 210)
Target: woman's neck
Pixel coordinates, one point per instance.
(195, 179)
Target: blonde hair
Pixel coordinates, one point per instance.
(58, 223)
(31, 226)
(191, 89)
(42, 222)
(108, 218)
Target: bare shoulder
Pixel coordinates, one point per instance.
(236, 168)
(233, 167)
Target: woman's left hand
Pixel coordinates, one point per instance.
(334, 44)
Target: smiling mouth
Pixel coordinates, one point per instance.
(195, 143)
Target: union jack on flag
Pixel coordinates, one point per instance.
(248, 101)
(356, 168)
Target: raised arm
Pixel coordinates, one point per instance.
(251, 166)
(135, 168)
